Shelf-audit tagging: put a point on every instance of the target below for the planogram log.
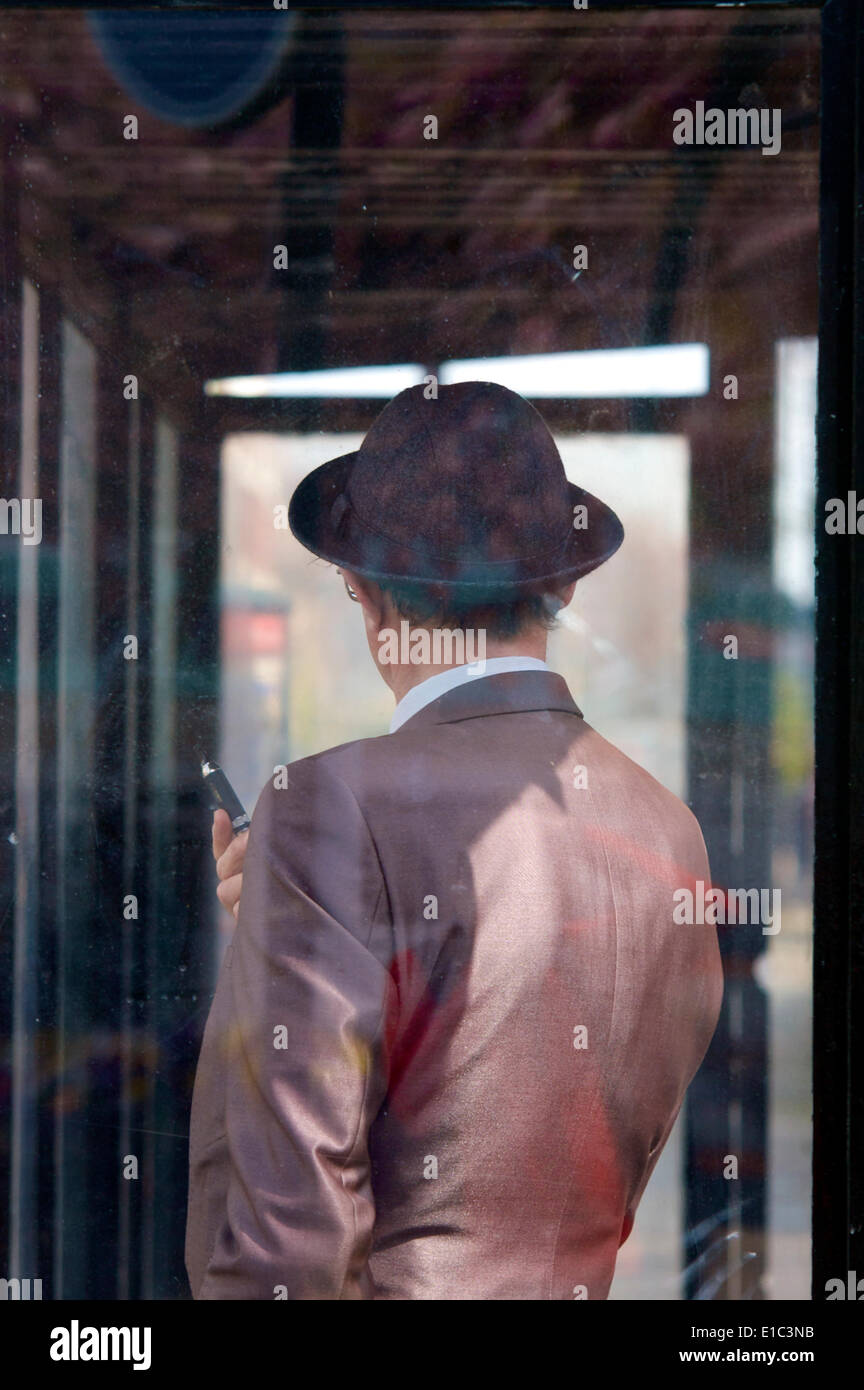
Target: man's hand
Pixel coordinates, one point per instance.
(229, 851)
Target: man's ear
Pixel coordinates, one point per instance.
(562, 597)
(368, 595)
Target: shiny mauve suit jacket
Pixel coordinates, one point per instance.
(456, 1021)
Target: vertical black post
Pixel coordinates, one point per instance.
(318, 110)
(838, 958)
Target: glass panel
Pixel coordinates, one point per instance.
(23, 1254)
(220, 280)
(76, 711)
(163, 982)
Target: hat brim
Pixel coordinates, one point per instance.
(346, 541)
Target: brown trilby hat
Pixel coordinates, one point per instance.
(463, 489)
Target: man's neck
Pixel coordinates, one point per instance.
(402, 677)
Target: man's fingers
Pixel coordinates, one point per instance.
(229, 851)
(231, 862)
(222, 833)
(229, 891)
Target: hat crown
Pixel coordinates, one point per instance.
(473, 472)
(464, 489)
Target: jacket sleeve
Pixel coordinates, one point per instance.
(303, 1051)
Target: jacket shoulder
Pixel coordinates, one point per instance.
(332, 772)
(651, 796)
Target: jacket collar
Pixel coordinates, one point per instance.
(510, 693)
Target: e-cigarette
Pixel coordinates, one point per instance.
(223, 796)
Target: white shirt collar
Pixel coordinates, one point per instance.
(435, 686)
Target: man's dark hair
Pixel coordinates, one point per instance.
(467, 608)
